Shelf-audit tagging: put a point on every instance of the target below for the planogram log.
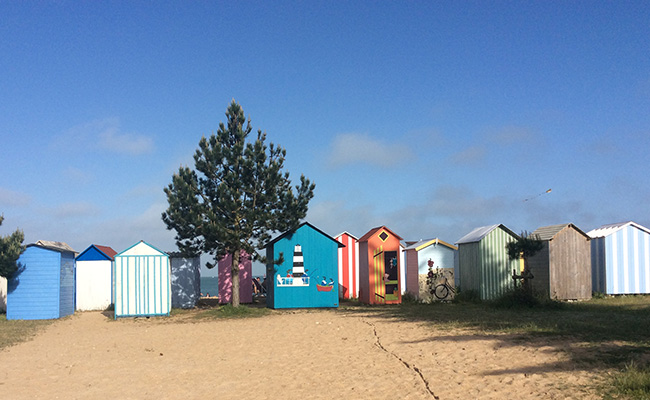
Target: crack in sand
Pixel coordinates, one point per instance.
(406, 364)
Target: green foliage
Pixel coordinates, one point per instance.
(525, 246)
(467, 296)
(236, 196)
(409, 298)
(228, 311)
(11, 247)
(432, 279)
(520, 297)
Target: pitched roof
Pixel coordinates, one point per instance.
(422, 244)
(374, 230)
(479, 233)
(549, 232)
(347, 233)
(607, 230)
(105, 250)
(311, 226)
(56, 246)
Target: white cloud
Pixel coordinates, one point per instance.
(105, 134)
(471, 155)
(10, 198)
(75, 210)
(354, 148)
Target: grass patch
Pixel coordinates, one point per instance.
(633, 382)
(17, 331)
(228, 311)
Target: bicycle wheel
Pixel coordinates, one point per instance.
(441, 292)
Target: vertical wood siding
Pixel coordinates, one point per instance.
(625, 262)
(348, 263)
(94, 284)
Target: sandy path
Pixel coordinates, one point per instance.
(306, 354)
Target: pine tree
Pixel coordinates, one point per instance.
(11, 247)
(236, 197)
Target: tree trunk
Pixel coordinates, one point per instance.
(234, 273)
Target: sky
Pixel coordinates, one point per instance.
(431, 118)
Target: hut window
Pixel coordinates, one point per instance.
(383, 236)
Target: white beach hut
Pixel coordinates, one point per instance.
(94, 277)
(142, 279)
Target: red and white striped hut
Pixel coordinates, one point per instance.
(348, 266)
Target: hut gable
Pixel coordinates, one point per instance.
(308, 273)
(142, 279)
(620, 256)
(480, 233)
(43, 287)
(94, 278)
(562, 269)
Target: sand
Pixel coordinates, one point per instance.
(300, 354)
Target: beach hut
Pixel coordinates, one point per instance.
(483, 263)
(418, 254)
(562, 269)
(43, 286)
(308, 275)
(245, 279)
(142, 282)
(186, 280)
(380, 267)
(620, 258)
(348, 260)
(3, 294)
(94, 278)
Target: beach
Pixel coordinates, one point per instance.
(293, 354)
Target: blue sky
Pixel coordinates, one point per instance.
(431, 118)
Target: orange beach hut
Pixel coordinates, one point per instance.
(380, 280)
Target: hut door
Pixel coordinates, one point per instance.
(391, 276)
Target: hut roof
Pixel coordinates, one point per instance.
(105, 250)
(607, 230)
(424, 243)
(311, 226)
(56, 246)
(479, 233)
(347, 233)
(549, 232)
(374, 230)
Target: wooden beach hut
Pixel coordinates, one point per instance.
(94, 278)
(142, 279)
(308, 275)
(562, 269)
(245, 279)
(43, 287)
(380, 267)
(483, 263)
(348, 261)
(620, 258)
(418, 254)
(185, 280)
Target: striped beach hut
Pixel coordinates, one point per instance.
(562, 269)
(483, 263)
(418, 254)
(94, 278)
(142, 282)
(245, 279)
(186, 280)
(380, 267)
(43, 287)
(308, 275)
(620, 258)
(348, 266)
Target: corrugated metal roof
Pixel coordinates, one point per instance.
(424, 243)
(479, 233)
(607, 230)
(57, 246)
(549, 232)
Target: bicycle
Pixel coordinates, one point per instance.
(441, 291)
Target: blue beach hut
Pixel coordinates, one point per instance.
(620, 258)
(308, 276)
(142, 279)
(43, 287)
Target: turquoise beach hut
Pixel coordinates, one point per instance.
(43, 287)
(142, 279)
(308, 276)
